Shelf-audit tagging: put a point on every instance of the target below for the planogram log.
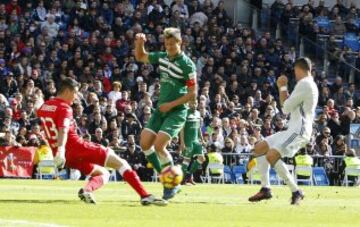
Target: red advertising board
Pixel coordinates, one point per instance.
(16, 161)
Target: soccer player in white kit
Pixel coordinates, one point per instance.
(301, 106)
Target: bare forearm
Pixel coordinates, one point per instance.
(185, 98)
(140, 53)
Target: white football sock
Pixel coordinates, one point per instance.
(264, 167)
(124, 167)
(149, 152)
(166, 159)
(284, 173)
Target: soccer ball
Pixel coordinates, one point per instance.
(171, 176)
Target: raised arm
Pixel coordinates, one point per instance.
(282, 83)
(287, 102)
(140, 53)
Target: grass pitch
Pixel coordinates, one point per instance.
(55, 203)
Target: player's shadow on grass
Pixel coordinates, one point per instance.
(125, 203)
(32, 201)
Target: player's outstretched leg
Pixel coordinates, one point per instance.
(274, 159)
(263, 166)
(131, 177)
(99, 176)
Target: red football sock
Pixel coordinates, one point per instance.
(94, 183)
(133, 179)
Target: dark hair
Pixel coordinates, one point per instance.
(304, 63)
(87, 136)
(68, 83)
(339, 137)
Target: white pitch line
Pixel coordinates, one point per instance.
(13, 223)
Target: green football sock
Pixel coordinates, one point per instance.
(152, 157)
(195, 166)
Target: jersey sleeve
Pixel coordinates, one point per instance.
(190, 75)
(296, 97)
(64, 118)
(154, 57)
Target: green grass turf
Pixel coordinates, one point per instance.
(29, 203)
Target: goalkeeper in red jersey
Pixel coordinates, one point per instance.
(70, 150)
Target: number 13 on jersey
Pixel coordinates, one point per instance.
(50, 128)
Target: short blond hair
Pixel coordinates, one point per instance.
(172, 32)
(117, 84)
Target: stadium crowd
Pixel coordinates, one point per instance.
(42, 42)
(340, 24)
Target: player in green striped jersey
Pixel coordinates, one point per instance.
(191, 143)
(177, 86)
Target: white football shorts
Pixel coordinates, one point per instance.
(288, 143)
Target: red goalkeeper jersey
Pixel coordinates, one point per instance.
(54, 115)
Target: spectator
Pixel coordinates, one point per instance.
(121, 103)
(131, 126)
(137, 161)
(350, 161)
(276, 11)
(96, 122)
(21, 140)
(226, 127)
(10, 86)
(43, 152)
(303, 159)
(115, 94)
(338, 27)
(229, 150)
(98, 138)
(321, 123)
(339, 146)
(40, 12)
(323, 148)
(50, 27)
(334, 124)
(279, 125)
(346, 119)
(213, 156)
(181, 8)
(13, 6)
(325, 133)
(9, 139)
(267, 129)
(243, 147)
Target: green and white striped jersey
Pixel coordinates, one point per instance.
(175, 75)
